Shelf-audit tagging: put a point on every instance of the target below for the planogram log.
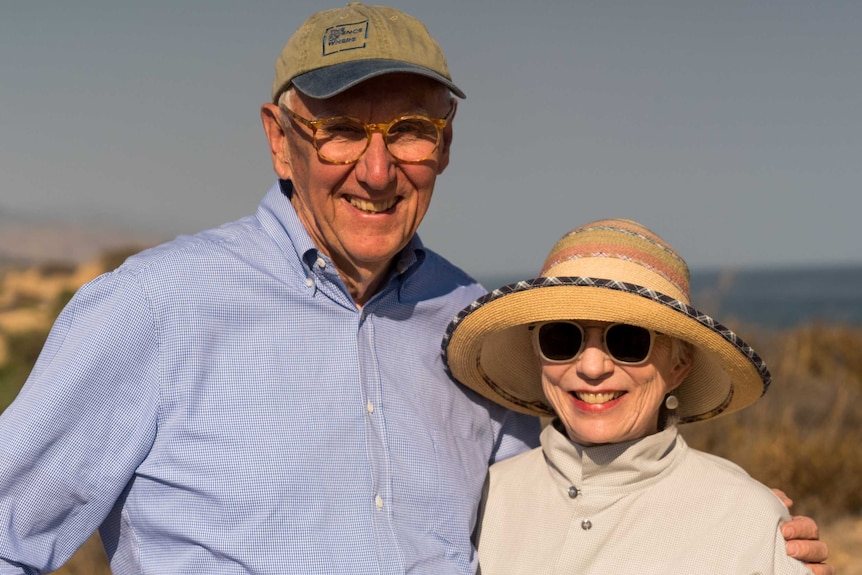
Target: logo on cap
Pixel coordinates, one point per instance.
(345, 37)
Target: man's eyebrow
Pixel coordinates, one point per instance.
(329, 113)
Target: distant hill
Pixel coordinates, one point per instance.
(34, 242)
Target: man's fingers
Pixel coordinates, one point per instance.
(822, 569)
(808, 551)
(783, 497)
(800, 527)
(803, 543)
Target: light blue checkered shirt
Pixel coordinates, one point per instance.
(218, 404)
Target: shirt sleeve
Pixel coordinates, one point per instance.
(82, 423)
(518, 433)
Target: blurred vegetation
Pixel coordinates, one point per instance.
(112, 259)
(804, 436)
(23, 350)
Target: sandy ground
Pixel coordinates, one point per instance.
(845, 545)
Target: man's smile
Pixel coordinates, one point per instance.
(371, 207)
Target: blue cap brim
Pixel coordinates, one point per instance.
(331, 80)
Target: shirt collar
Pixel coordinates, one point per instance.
(626, 466)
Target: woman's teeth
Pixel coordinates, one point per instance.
(595, 398)
(371, 207)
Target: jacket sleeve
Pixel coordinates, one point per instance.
(82, 423)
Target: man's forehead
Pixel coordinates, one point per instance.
(398, 93)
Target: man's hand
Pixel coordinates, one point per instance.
(803, 541)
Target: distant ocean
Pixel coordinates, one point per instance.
(774, 298)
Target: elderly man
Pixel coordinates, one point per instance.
(268, 396)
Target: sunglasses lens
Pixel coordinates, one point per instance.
(560, 341)
(628, 343)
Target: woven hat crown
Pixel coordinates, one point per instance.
(351, 44)
(622, 250)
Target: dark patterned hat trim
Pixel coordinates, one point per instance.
(667, 301)
(712, 412)
(533, 406)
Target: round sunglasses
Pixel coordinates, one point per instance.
(563, 341)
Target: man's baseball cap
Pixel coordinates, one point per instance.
(337, 49)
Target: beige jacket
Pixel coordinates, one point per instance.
(653, 506)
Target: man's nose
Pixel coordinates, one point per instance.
(376, 166)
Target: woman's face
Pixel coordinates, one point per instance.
(602, 401)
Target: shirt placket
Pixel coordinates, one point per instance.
(377, 446)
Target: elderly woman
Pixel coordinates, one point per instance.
(607, 342)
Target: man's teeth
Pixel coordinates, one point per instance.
(597, 397)
(372, 207)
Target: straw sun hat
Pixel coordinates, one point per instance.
(613, 271)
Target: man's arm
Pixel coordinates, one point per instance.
(80, 426)
(803, 540)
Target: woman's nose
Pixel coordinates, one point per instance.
(594, 361)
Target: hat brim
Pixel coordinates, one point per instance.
(332, 80)
(488, 346)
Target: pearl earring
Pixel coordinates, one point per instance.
(671, 402)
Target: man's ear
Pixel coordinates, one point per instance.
(446, 139)
(270, 115)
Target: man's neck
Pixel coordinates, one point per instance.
(363, 282)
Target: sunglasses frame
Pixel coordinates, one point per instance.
(536, 328)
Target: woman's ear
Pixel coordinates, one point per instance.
(682, 353)
(678, 374)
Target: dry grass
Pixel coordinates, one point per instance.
(845, 544)
(89, 560)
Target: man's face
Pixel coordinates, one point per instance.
(362, 214)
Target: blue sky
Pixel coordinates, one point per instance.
(731, 128)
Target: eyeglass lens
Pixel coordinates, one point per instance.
(563, 341)
(410, 139)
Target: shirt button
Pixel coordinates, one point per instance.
(573, 491)
(370, 407)
(586, 525)
(309, 282)
(321, 263)
(378, 501)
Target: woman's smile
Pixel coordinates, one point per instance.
(594, 400)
